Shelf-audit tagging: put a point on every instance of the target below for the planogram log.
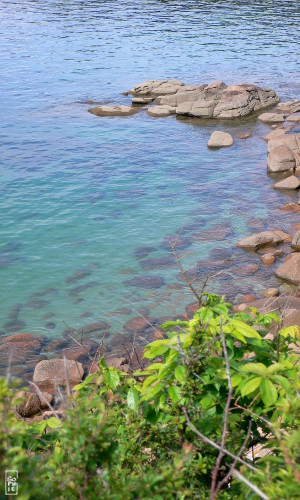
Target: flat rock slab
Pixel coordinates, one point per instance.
(113, 110)
(161, 111)
(220, 139)
(50, 373)
(289, 183)
(271, 118)
(258, 240)
(295, 117)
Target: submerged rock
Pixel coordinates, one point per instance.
(79, 275)
(36, 304)
(220, 139)
(157, 263)
(20, 348)
(137, 324)
(14, 325)
(142, 252)
(244, 135)
(147, 282)
(79, 289)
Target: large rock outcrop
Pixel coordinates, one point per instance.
(283, 152)
(290, 269)
(215, 100)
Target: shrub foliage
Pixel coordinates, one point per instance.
(215, 414)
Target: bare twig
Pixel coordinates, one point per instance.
(250, 485)
(67, 376)
(226, 478)
(42, 398)
(206, 440)
(98, 352)
(226, 415)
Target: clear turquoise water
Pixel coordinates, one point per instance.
(80, 192)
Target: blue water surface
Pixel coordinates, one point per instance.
(81, 193)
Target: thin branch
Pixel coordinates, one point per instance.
(250, 485)
(226, 415)
(98, 352)
(213, 444)
(229, 473)
(42, 398)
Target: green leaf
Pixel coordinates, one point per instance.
(112, 378)
(237, 335)
(290, 331)
(155, 351)
(268, 392)
(53, 423)
(103, 364)
(251, 386)
(246, 330)
(174, 393)
(258, 368)
(284, 382)
(132, 399)
(180, 374)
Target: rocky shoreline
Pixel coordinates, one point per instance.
(77, 356)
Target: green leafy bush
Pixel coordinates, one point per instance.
(189, 426)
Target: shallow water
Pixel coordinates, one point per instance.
(83, 193)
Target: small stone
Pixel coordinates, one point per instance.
(291, 207)
(267, 259)
(271, 292)
(289, 183)
(137, 324)
(220, 139)
(271, 118)
(246, 299)
(30, 405)
(244, 135)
